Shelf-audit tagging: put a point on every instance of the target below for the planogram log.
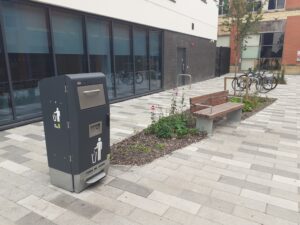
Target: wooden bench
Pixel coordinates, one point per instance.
(207, 108)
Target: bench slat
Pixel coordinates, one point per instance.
(219, 110)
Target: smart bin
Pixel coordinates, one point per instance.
(76, 122)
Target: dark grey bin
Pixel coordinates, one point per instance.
(76, 121)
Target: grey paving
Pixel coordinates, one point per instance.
(130, 187)
(247, 173)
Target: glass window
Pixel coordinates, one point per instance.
(276, 4)
(252, 40)
(254, 6)
(274, 51)
(123, 60)
(68, 43)
(270, 63)
(271, 50)
(140, 61)
(5, 106)
(272, 38)
(249, 64)
(99, 50)
(223, 41)
(251, 53)
(26, 35)
(223, 7)
(155, 59)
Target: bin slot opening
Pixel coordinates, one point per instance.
(91, 91)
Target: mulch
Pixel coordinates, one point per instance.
(125, 152)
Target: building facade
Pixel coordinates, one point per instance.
(276, 45)
(140, 45)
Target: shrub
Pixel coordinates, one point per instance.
(171, 126)
(251, 103)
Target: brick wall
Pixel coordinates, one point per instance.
(291, 41)
(292, 4)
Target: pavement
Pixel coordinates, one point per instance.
(245, 174)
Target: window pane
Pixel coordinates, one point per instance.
(272, 4)
(140, 61)
(68, 43)
(249, 64)
(223, 41)
(251, 40)
(280, 4)
(99, 50)
(5, 109)
(123, 60)
(251, 53)
(274, 51)
(270, 64)
(26, 35)
(267, 38)
(278, 39)
(155, 59)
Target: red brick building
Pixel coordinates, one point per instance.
(277, 45)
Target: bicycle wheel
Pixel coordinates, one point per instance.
(238, 83)
(139, 78)
(270, 83)
(259, 85)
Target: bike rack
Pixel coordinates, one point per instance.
(184, 75)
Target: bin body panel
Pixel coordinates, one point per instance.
(57, 134)
(80, 143)
(85, 120)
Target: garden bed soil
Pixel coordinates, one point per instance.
(143, 148)
(266, 102)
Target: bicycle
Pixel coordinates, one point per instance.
(127, 78)
(262, 82)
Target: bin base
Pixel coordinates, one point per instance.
(77, 183)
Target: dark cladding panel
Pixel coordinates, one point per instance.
(200, 57)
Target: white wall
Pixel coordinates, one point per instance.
(163, 14)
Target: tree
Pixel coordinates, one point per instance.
(242, 18)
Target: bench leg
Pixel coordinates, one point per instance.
(235, 117)
(206, 125)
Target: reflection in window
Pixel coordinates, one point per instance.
(26, 35)
(223, 7)
(270, 63)
(123, 60)
(5, 109)
(271, 50)
(274, 51)
(276, 4)
(68, 43)
(155, 59)
(272, 39)
(99, 50)
(140, 61)
(254, 6)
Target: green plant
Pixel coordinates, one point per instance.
(171, 126)
(139, 148)
(160, 146)
(173, 108)
(251, 103)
